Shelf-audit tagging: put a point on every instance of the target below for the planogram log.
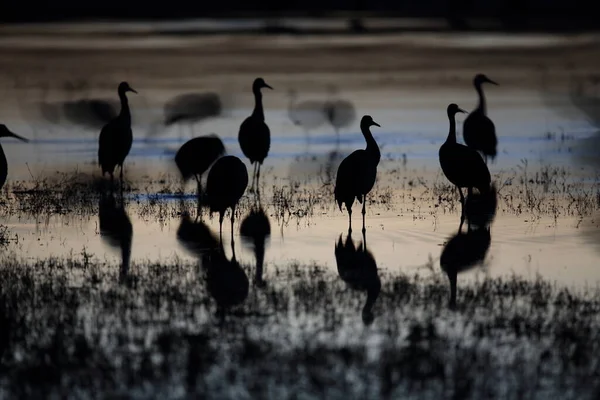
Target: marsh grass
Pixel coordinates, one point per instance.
(531, 191)
(70, 326)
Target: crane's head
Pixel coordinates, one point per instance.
(453, 109)
(124, 88)
(367, 121)
(5, 132)
(260, 83)
(481, 78)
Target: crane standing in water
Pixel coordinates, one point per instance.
(479, 131)
(254, 135)
(116, 137)
(462, 165)
(195, 156)
(5, 132)
(225, 186)
(357, 173)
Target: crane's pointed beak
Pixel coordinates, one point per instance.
(492, 82)
(132, 90)
(375, 123)
(12, 134)
(461, 110)
(267, 86)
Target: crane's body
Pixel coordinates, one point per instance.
(116, 137)
(254, 135)
(357, 173)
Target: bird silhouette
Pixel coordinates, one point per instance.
(5, 132)
(254, 135)
(87, 112)
(479, 131)
(462, 252)
(116, 230)
(90, 113)
(116, 137)
(196, 237)
(192, 108)
(308, 114)
(462, 165)
(226, 184)
(357, 267)
(357, 173)
(195, 156)
(255, 229)
(340, 113)
(226, 281)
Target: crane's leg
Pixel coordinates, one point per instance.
(364, 211)
(349, 219)
(221, 227)
(258, 179)
(232, 219)
(462, 206)
(112, 182)
(253, 178)
(364, 240)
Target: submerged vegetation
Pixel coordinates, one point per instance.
(532, 191)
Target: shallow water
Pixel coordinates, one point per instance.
(299, 314)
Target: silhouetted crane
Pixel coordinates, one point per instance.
(357, 173)
(116, 137)
(226, 184)
(226, 281)
(196, 236)
(255, 229)
(462, 252)
(87, 112)
(479, 131)
(5, 132)
(340, 113)
(308, 114)
(196, 155)
(192, 108)
(462, 165)
(254, 135)
(116, 230)
(90, 113)
(357, 267)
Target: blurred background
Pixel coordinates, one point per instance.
(192, 64)
(547, 15)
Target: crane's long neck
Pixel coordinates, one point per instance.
(481, 106)
(452, 133)
(125, 113)
(258, 106)
(372, 147)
